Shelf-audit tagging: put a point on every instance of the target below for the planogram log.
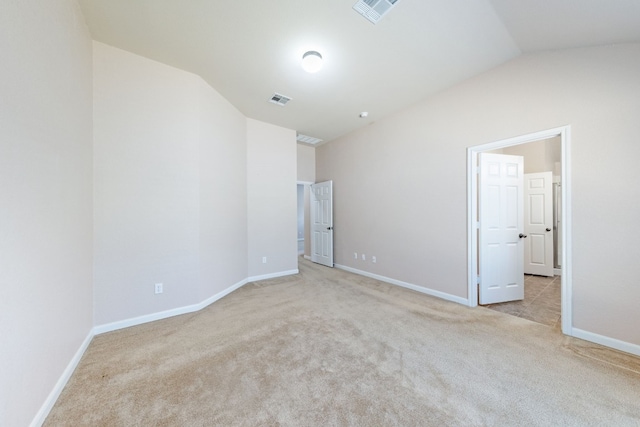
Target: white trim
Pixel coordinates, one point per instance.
(46, 407)
(273, 275)
(121, 324)
(557, 272)
(567, 239)
(423, 290)
(627, 347)
(307, 257)
(472, 214)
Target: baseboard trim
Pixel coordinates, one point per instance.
(272, 275)
(110, 327)
(411, 286)
(607, 341)
(307, 257)
(42, 414)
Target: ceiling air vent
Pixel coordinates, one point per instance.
(281, 100)
(308, 139)
(374, 10)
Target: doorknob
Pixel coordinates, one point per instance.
(522, 235)
(548, 229)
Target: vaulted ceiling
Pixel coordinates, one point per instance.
(250, 49)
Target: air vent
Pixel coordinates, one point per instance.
(281, 100)
(374, 10)
(308, 139)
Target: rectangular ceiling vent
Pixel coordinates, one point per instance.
(374, 10)
(281, 100)
(308, 139)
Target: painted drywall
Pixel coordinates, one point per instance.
(146, 169)
(539, 156)
(306, 157)
(271, 195)
(46, 193)
(170, 188)
(400, 184)
(223, 194)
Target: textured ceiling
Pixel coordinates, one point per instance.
(247, 50)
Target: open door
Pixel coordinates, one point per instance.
(321, 217)
(501, 250)
(538, 223)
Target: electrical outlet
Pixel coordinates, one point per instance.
(355, 255)
(264, 259)
(364, 257)
(158, 288)
(373, 259)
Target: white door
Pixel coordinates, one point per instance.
(322, 223)
(538, 223)
(501, 246)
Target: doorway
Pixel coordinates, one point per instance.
(301, 222)
(303, 197)
(474, 272)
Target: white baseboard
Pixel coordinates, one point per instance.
(411, 286)
(607, 341)
(66, 375)
(109, 327)
(307, 257)
(42, 414)
(114, 326)
(557, 272)
(273, 275)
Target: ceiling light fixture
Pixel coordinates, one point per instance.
(312, 61)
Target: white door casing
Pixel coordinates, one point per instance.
(565, 228)
(501, 250)
(321, 218)
(538, 223)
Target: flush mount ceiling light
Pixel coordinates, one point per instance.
(312, 61)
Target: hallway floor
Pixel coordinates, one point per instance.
(542, 301)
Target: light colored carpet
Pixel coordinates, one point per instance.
(329, 348)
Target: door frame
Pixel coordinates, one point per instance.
(473, 223)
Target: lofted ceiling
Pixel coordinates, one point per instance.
(250, 49)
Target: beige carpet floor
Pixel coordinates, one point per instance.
(329, 348)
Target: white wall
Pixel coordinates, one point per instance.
(271, 190)
(170, 188)
(223, 194)
(146, 185)
(539, 156)
(400, 184)
(306, 158)
(45, 192)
